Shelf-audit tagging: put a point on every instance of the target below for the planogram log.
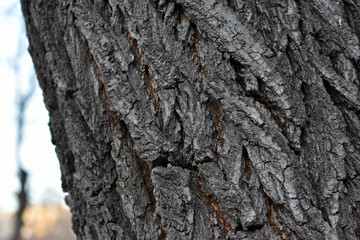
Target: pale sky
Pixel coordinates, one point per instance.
(37, 152)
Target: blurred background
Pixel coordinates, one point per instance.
(25, 141)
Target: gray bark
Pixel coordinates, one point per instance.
(203, 119)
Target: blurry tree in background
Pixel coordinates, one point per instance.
(18, 73)
(22, 100)
(207, 119)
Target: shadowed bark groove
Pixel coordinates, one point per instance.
(147, 76)
(210, 199)
(120, 126)
(237, 67)
(135, 46)
(247, 163)
(213, 204)
(258, 15)
(179, 119)
(215, 109)
(273, 222)
(150, 87)
(196, 37)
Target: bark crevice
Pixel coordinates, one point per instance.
(272, 220)
(196, 38)
(121, 126)
(144, 69)
(210, 199)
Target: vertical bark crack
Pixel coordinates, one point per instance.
(238, 71)
(146, 173)
(216, 112)
(229, 3)
(287, 53)
(273, 116)
(144, 69)
(213, 204)
(162, 235)
(120, 125)
(272, 221)
(353, 213)
(196, 38)
(182, 130)
(135, 46)
(151, 90)
(258, 14)
(247, 163)
(180, 11)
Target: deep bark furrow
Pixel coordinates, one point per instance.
(146, 73)
(258, 15)
(120, 126)
(214, 206)
(136, 48)
(150, 87)
(196, 37)
(211, 201)
(239, 78)
(247, 163)
(272, 221)
(215, 108)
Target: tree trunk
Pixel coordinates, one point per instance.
(203, 119)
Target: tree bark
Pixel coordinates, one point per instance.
(203, 119)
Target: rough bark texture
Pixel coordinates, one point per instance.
(206, 119)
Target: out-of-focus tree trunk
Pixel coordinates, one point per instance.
(22, 201)
(203, 119)
(23, 100)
